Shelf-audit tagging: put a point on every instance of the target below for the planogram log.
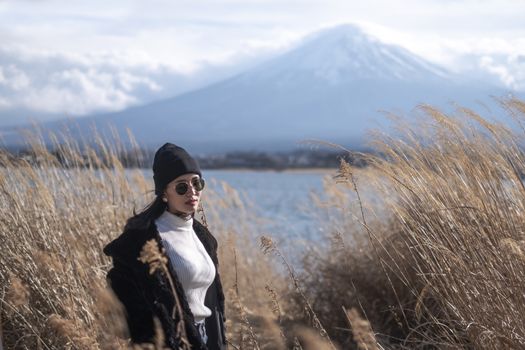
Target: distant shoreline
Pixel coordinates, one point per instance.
(287, 170)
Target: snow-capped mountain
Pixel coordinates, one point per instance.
(346, 53)
(331, 86)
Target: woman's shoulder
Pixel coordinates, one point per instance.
(130, 242)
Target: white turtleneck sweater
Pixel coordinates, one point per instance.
(189, 259)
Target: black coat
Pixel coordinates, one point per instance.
(147, 296)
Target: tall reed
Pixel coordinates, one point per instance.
(59, 206)
(425, 248)
(58, 211)
(439, 262)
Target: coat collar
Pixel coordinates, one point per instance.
(128, 245)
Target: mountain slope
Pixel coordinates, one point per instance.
(346, 53)
(330, 87)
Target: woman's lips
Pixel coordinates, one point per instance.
(191, 202)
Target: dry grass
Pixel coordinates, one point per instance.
(54, 223)
(460, 201)
(443, 266)
(425, 248)
(56, 220)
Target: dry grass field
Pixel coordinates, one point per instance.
(436, 261)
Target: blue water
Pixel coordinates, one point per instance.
(281, 199)
(279, 204)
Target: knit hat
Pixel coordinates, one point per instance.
(170, 162)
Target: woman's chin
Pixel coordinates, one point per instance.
(189, 211)
(183, 212)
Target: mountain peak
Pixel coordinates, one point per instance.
(346, 31)
(345, 52)
(330, 86)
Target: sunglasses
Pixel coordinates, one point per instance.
(182, 187)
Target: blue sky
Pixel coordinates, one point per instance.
(81, 57)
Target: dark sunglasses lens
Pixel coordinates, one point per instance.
(181, 188)
(198, 184)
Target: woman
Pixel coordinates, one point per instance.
(192, 280)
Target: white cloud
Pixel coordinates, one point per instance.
(80, 92)
(510, 70)
(200, 27)
(84, 57)
(76, 84)
(13, 78)
(60, 84)
(129, 82)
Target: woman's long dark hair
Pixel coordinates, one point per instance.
(148, 215)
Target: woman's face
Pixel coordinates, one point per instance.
(186, 203)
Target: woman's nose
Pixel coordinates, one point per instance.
(192, 190)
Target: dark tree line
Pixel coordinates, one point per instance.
(143, 158)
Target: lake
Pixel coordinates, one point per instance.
(281, 199)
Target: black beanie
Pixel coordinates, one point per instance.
(170, 162)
